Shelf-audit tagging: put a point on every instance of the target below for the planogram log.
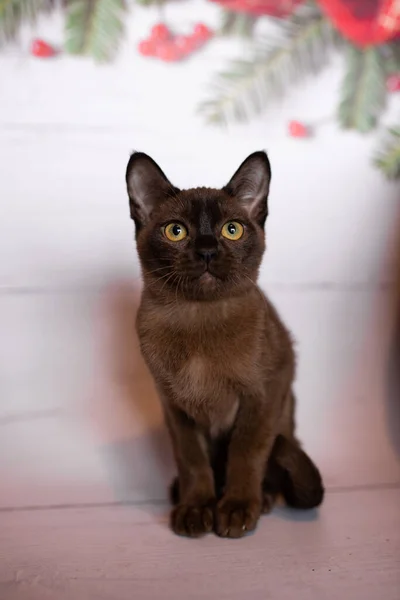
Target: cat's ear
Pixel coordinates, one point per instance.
(147, 186)
(250, 185)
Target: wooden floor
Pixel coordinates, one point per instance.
(349, 550)
(85, 460)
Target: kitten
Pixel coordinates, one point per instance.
(221, 358)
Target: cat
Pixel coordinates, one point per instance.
(221, 358)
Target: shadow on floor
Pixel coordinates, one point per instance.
(292, 514)
(138, 456)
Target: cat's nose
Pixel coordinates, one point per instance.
(207, 255)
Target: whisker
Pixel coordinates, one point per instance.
(167, 280)
(262, 296)
(156, 270)
(152, 283)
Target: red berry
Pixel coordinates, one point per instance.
(185, 44)
(42, 49)
(202, 32)
(147, 48)
(297, 129)
(160, 32)
(393, 83)
(169, 52)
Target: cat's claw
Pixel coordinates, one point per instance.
(192, 520)
(235, 518)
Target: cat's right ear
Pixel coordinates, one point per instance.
(250, 185)
(147, 187)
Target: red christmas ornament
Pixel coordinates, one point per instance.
(202, 32)
(185, 44)
(297, 129)
(42, 49)
(147, 48)
(163, 45)
(364, 22)
(168, 52)
(160, 33)
(393, 83)
(275, 8)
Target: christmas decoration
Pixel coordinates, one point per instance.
(298, 130)
(14, 13)
(147, 48)
(275, 8)
(248, 85)
(168, 52)
(202, 32)
(94, 28)
(364, 22)
(42, 49)
(363, 89)
(237, 23)
(393, 83)
(185, 44)
(160, 33)
(367, 32)
(388, 159)
(169, 48)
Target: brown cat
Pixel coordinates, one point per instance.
(221, 358)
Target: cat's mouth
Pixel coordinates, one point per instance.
(207, 277)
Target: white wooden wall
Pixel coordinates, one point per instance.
(80, 426)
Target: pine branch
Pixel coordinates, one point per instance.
(149, 2)
(94, 28)
(391, 57)
(363, 89)
(248, 86)
(14, 13)
(388, 158)
(234, 23)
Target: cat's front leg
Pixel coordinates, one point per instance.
(252, 439)
(194, 514)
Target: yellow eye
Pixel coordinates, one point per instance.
(232, 230)
(175, 232)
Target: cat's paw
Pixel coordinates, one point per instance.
(236, 517)
(193, 520)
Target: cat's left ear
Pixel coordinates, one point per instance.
(147, 187)
(250, 185)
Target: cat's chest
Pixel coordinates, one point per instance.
(204, 364)
(206, 391)
(208, 362)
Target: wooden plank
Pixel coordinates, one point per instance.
(350, 549)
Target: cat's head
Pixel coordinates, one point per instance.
(199, 244)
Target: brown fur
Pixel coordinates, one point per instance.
(221, 358)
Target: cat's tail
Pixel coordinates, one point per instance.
(292, 473)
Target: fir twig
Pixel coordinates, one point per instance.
(391, 57)
(149, 2)
(94, 27)
(363, 89)
(246, 88)
(234, 23)
(388, 158)
(13, 13)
